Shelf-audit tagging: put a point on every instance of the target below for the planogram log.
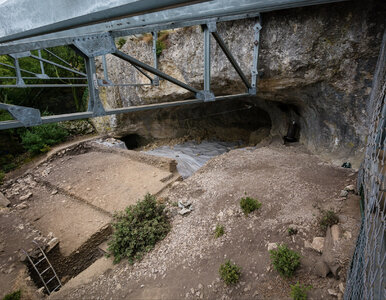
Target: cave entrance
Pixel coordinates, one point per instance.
(134, 141)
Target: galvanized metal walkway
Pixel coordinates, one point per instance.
(90, 28)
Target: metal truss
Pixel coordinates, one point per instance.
(101, 42)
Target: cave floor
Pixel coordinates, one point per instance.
(293, 186)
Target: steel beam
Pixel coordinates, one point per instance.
(134, 7)
(154, 71)
(43, 85)
(231, 59)
(85, 115)
(255, 60)
(57, 65)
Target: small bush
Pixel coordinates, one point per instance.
(230, 273)
(299, 292)
(13, 296)
(121, 42)
(160, 46)
(249, 205)
(138, 229)
(292, 231)
(328, 219)
(284, 260)
(219, 231)
(2, 175)
(39, 139)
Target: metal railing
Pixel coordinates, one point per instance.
(366, 275)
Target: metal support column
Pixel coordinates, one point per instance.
(256, 44)
(155, 81)
(43, 75)
(208, 95)
(19, 79)
(94, 103)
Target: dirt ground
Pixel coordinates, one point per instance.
(70, 197)
(293, 185)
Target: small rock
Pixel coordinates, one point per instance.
(332, 292)
(54, 192)
(52, 243)
(4, 202)
(184, 211)
(272, 246)
(142, 286)
(25, 197)
(192, 290)
(21, 206)
(340, 296)
(317, 244)
(347, 235)
(335, 232)
(200, 286)
(322, 269)
(247, 288)
(341, 287)
(350, 188)
(88, 189)
(69, 187)
(343, 193)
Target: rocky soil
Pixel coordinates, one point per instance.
(294, 187)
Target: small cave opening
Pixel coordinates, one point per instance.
(134, 141)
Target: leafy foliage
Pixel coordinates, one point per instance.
(230, 273)
(328, 219)
(2, 175)
(219, 231)
(121, 42)
(249, 205)
(284, 260)
(299, 292)
(160, 46)
(138, 229)
(39, 139)
(13, 296)
(292, 231)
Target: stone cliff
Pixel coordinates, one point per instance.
(316, 66)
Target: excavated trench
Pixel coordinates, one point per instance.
(191, 135)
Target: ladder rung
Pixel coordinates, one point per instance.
(56, 288)
(50, 280)
(45, 270)
(39, 261)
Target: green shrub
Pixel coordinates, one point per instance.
(121, 42)
(160, 46)
(138, 229)
(230, 273)
(219, 231)
(39, 139)
(249, 205)
(2, 175)
(13, 296)
(284, 260)
(328, 219)
(299, 292)
(292, 231)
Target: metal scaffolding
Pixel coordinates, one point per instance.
(90, 28)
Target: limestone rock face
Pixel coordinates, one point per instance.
(316, 66)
